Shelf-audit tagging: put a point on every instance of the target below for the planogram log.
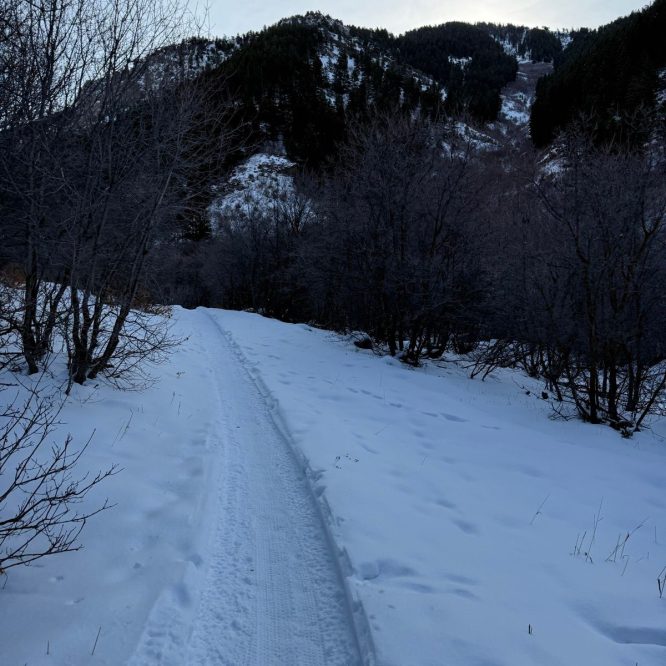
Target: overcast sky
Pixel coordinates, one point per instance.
(230, 17)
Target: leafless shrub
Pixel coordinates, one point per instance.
(39, 486)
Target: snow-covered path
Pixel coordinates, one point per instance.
(273, 593)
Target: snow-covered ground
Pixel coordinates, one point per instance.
(439, 520)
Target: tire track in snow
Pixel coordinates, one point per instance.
(272, 593)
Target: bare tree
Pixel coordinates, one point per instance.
(607, 211)
(582, 274)
(96, 146)
(39, 491)
(395, 253)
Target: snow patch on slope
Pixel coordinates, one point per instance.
(518, 96)
(510, 49)
(257, 185)
(661, 92)
(460, 62)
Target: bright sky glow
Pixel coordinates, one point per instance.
(230, 17)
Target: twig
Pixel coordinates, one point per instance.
(538, 511)
(99, 631)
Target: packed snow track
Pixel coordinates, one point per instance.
(273, 592)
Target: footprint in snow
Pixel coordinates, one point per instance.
(452, 417)
(467, 528)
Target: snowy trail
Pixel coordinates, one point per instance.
(288, 499)
(272, 592)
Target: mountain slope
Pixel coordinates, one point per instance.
(530, 44)
(300, 81)
(466, 59)
(608, 76)
(294, 88)
(303, 79)
(297, 84)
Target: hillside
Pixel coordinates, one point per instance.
(295, 88)
(608, 76)
(467, 60)
(302, 81)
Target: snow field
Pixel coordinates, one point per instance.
(215, 552)
(286, 498)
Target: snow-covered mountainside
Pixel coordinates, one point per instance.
(187, 59)
(256, 186)
(287, 498)
(167, 67)
(517, 41)
(342, 54)
(301, 82)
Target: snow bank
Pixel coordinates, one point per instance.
(146, 551)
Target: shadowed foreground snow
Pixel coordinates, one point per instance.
(456, 515)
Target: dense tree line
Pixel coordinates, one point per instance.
(609, 75)
(473, 87)
(425, 246)
(540, 44)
